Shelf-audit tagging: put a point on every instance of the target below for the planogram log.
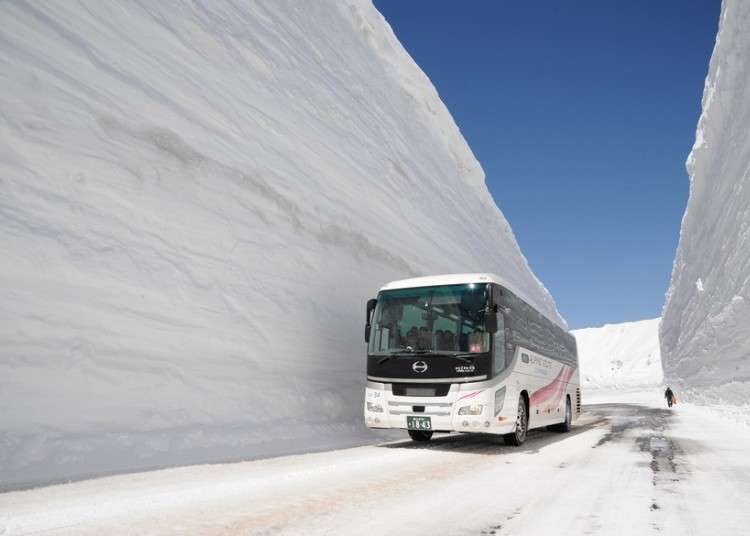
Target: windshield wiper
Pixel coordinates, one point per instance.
(406, 353)
(463, 357)
(395, 355)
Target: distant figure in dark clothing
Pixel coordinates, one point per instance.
(669, 395)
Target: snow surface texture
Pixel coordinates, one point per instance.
(620, 356)
(626, 469)
(705, 331)
(195, 203)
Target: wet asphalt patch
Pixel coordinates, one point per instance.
(648, 428)
(624, 418)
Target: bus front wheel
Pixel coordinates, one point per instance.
(420, 435)
(517, 437)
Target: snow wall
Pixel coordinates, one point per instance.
(705, 331)
(620, 356)
(196, 200)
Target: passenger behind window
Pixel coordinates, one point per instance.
(439, 340)
(425, 338)
(412, 336)
(449, 341)
(478, 342)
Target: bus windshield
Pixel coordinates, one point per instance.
(445, 319)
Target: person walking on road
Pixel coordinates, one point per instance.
(669, 395)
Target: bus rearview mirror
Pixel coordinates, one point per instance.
(371, 303)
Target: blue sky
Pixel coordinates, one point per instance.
(582, 115)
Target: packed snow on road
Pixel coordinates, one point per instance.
(629, 466)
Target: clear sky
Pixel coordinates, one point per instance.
(582, 114)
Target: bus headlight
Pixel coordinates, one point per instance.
(375, 408)
(476, 409)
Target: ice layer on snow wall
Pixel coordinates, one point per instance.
(196, 200)
(705, 331)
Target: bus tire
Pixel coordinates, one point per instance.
(567, 424)
(420, 435)
(517, 437)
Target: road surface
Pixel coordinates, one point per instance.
(624, 469)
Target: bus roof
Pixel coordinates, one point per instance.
(445, 279)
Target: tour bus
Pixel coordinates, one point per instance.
(466, 353)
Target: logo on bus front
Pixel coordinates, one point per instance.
(419, 366)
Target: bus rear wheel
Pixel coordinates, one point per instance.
(522, 425)
(566, 425)
(420, 435)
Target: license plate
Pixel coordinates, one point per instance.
(418, 423)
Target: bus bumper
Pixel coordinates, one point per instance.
(384, 410)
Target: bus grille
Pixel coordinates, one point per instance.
(421, 389)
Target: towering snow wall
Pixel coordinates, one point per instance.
(705, 331)
(620, 356)
(195, 202)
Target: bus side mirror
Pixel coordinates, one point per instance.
(490, 319)
(368, 317)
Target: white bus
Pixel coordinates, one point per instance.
(465, 353)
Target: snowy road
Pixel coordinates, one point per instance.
(625, 469)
